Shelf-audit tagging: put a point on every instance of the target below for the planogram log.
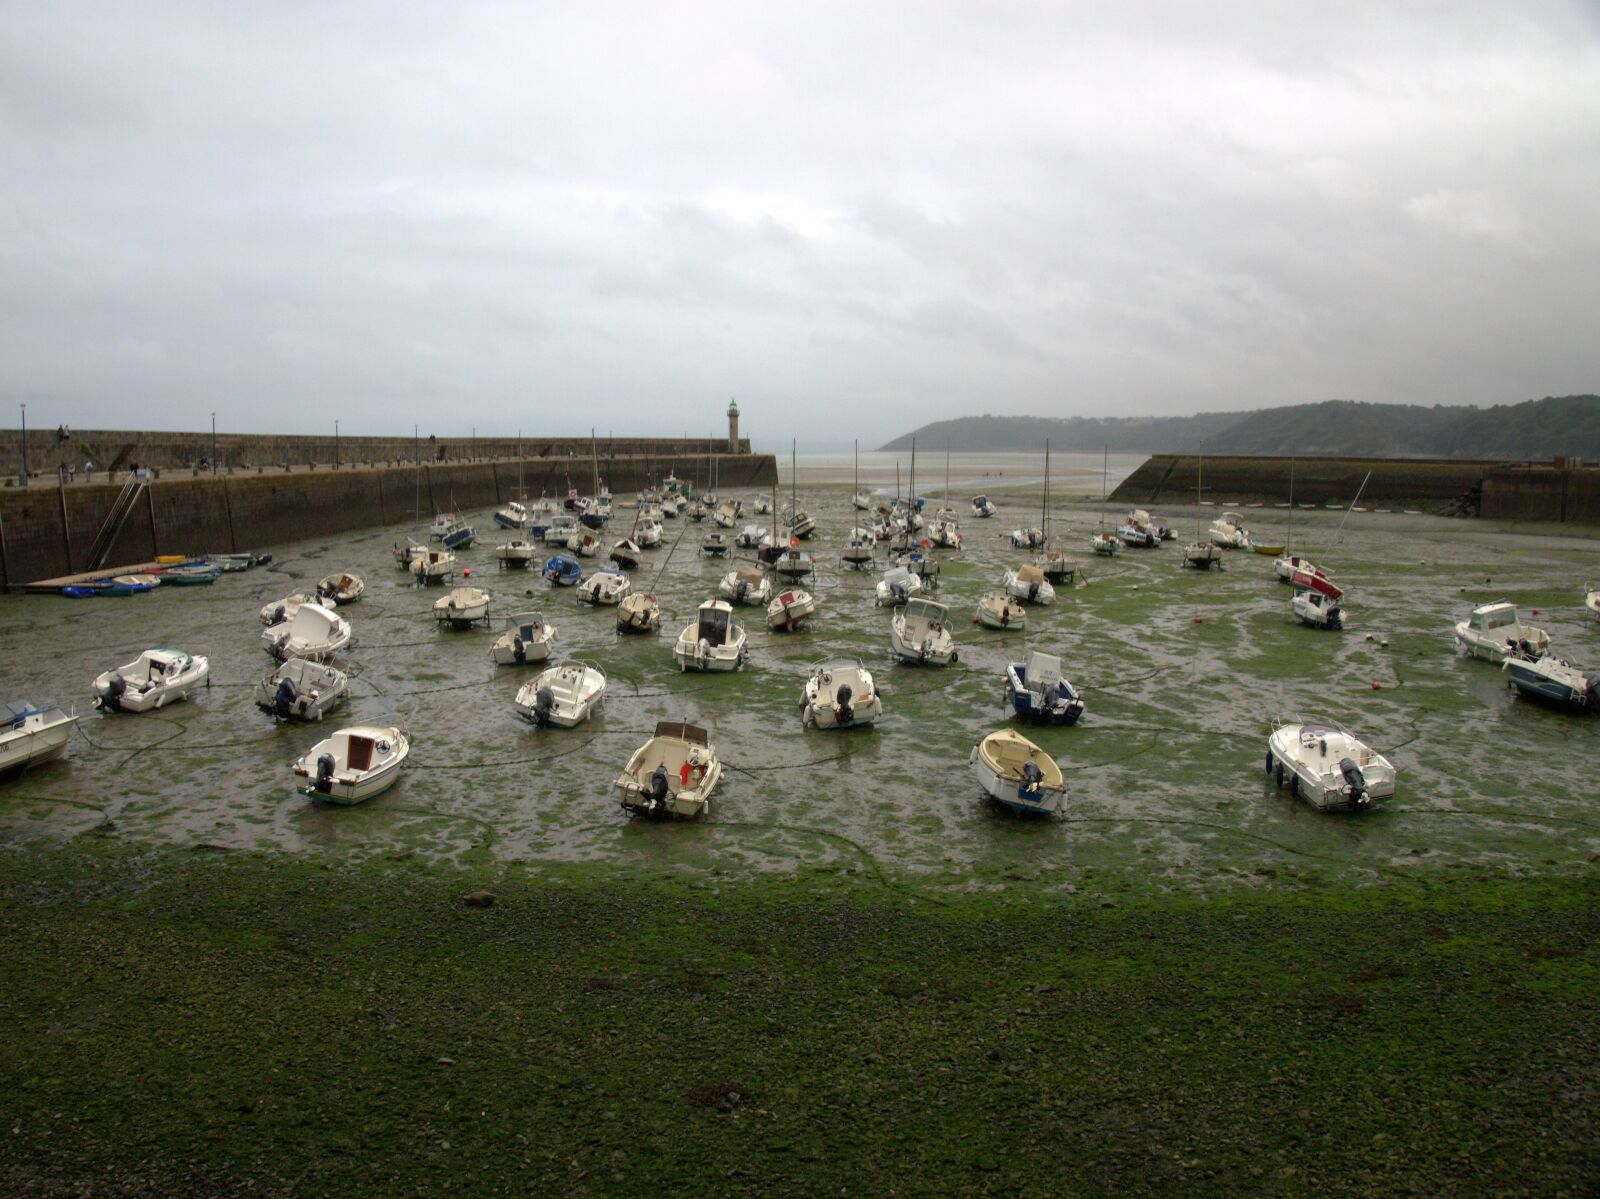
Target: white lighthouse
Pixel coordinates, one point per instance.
(733, 427)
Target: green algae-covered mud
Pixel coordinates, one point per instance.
(853, 972)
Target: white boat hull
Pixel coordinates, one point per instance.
(36, 738)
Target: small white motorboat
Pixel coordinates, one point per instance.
(672, 774)
(342, 588)
(727, 514)
(639, 613)
(861, 501)
(280, 610)
(649, 533)
(800, 524)
(715, 544)
(762, 506)
(788, 608)
(512, 516)
(697, 511)
(354, 764)
(982, 508)
(1328, 766)
(1553, 680)
(944, 532)
(462, 607)
(746, 585)
(433, 566)
(1018, 774)
(1038, 691)
(794, 564)
(625, 553)
(1228, 531)
(1137, 532)
(919, 633)
(858, 549)
(30, 734)
(1493, 631)
(405, 554)
(715, 641)
(897, 586)
(1107, 545)
(1201, 555)
(749, 537)
(442, 523)
(300, 689)
(515, 554)
(1028, 538)
(561, 529)
(1028, 584)
(314, 632)
(1316, 610)
(154, 679)
(606, 586)
(528, 638)
(997, 610)
(563, 695)
(584, 543)
(840, 695)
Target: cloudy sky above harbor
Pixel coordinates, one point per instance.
(852, 217)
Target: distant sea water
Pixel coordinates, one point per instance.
(969, 473)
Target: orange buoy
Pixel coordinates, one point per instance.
(1377, 686)
(1197, 620)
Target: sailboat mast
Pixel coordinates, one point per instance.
(1044, 507)
(1289, 538)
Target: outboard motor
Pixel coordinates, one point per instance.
(326, 590)
(115, 690)
(543, 702)
(842, 701)
(658, 787)
(1032, 777)
(1591, 691)
(1355, 783)
(1527, 649)
(278, 614)
(518, 651)
(741, 590)
(1033, 591)
(897, 592)
(283, 700)
(325, 766)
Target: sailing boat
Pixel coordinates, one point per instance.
(1055, 566)
(1200, 553)
(945, 531)
(1287, 563)
(1103, 542)
(595, 513)
(858, 545)
(800, 525)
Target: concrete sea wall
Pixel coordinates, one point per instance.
(46, 529)
(1494, 489)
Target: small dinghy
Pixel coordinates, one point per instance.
(528, 638)
(154, 679)
(749, 537)
(1317, 611)
(195, 574)
(563, 571)
(314, 633)
(1028, 584)
(982, 508)
(562, 695)
(625, 553)
(1018, 774)
(1228, 532)
(515, 554)
(1327, 766)
(343, 588)
(302, 690)
(788, 608)
(745, 585)
(714, 545)
(233, 563)
(840, 695)
(433, 566)
(1038, 691)
(1201, 555)
(354, 764)
(1105, 544)
(1554, 681)
(405, 554)
(896, 587)
(1494, 631)
(462, 607)
(147, 582)
(606, 586)
(639, 613)
(672, 774)
(31, 735)
(280, 610)
(584, 543)
(1028, 538)
(919, 634)
(715, 641)
(997, 610)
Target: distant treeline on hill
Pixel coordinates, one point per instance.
(1535, 429)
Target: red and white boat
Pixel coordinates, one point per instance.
(1313, 579)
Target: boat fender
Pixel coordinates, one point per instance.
(842, 703)
(283, 701)
(543, 702)
(325, 766)
(1355, 784)
(1269, 761)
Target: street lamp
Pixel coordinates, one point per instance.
(24, 445)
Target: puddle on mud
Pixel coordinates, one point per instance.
(1164, 771)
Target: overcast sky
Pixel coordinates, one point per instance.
(853, 217)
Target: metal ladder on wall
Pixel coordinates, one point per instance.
(111, 529)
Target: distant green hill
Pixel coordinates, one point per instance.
(1533, 429)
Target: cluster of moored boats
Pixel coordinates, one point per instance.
(676, 771)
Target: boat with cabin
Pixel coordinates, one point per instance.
(433, 566)
(1228, 532)
(982, 507)
(513, 516)
(1038, 691)
(516, 554)
(1316, 610)
(840, 695)
(919, 633)
(714, 642)
(354, 764)
(1494, 631)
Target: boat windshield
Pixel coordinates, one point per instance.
(714, 625)
(1499, 618)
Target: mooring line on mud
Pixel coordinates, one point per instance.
(878, 871)
(1490, 815)
(548, 757)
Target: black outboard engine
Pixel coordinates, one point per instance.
(1354, 782)
(842, 698)
(1033, 591)
(325, 590)
(1032, 776)
(658, 787)
(1527, 649)
(1591, 693)
(517, 650)
(325, 766)
(283, 700)
(278, 614)
(115, 690)
(741, 590)
(543, 702)
(897, 591)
